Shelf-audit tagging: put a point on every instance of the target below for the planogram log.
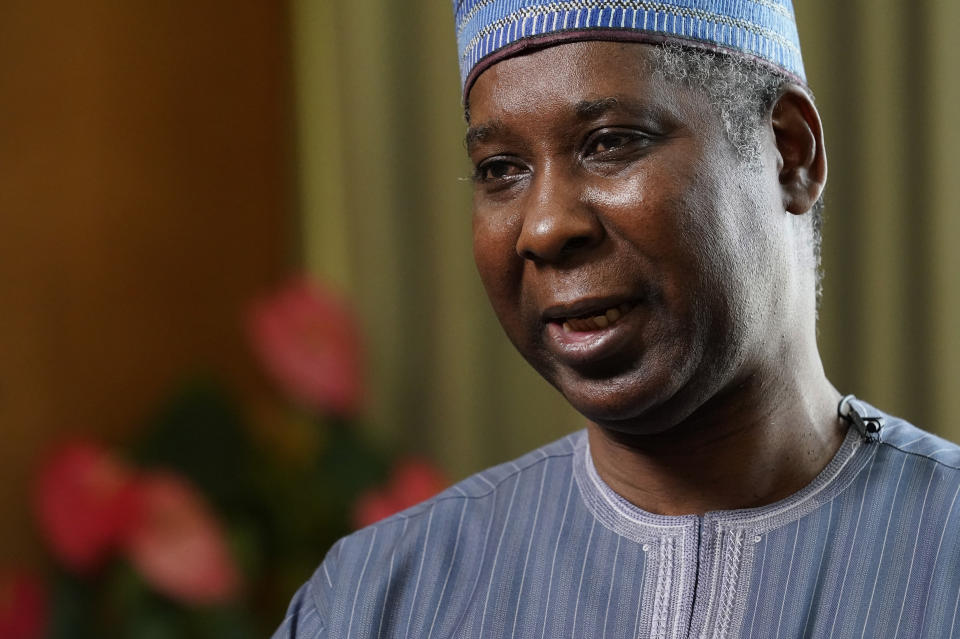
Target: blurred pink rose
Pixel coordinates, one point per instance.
(410, 482)
(23, 606)
(85, 501)
(309, 344)
(178, 546)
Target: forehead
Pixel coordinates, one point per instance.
(571, 75)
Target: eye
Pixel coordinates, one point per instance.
(498, 169)
(613, 141)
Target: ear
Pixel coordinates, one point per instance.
(802, 159)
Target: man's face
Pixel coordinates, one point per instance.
(630, 255)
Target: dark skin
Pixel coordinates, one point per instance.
(664, 286)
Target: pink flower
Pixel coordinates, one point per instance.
(411, 481)
(23, 606)
(85, 503)
(178, 546)
(308, 342)
(89, 505)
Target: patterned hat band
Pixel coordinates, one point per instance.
(490, 30)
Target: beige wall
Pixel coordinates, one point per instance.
(144, 196)
(885, 87)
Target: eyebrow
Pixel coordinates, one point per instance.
(591, 109)
(584, 110)
(480, 132)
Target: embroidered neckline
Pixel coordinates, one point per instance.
(626, 519)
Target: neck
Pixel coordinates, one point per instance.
(746, 447)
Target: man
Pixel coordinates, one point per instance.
(646, 225)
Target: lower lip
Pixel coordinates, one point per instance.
(590, 347)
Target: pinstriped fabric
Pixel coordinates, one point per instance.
(888, 551)
(488, 30)
(303, 617)
(542, 548)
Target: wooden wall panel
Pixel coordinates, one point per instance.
(144, 197)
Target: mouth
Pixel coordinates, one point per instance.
(593, 320)
(594, 335)
(587, 315)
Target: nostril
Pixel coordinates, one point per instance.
(575, 243)
(529, 255)
(571, 246)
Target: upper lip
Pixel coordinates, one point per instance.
(586, 307)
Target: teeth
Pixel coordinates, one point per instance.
(599, 322)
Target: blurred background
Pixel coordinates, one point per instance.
(170, 170)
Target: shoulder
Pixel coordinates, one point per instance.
(915, 475)
(903, 437)
(463, 504)
(423, 540)
(495, 479)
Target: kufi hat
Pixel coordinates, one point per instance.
(491, 30)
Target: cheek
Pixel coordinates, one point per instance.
(681, 217)
(659, 213)
(723, 235)
(499, 266)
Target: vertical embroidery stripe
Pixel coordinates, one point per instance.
(731, 572)
(680, 583)
(662, 598)
(718, 540)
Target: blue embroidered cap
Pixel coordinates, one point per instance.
(491, 30)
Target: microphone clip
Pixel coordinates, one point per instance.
(856, 413)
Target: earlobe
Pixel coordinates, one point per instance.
(802, 158)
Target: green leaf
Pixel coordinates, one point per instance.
(201, 433)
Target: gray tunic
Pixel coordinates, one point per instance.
(542, 547)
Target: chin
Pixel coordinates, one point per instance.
(627, 406)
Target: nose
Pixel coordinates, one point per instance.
(558, 222)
